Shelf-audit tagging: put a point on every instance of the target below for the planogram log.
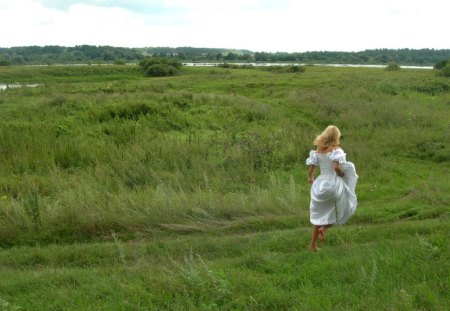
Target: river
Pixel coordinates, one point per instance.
(299, 64)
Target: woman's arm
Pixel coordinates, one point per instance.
(311, 174)
(337, 169)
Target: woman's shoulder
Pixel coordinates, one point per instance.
(336, 149)
(312, 159)
(329, 149)
(337, 154)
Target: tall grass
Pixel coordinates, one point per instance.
(120, 192)
(201, 149)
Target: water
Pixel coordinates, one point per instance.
(298, 64)
(15, 85)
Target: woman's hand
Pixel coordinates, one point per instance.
(337, 169)
(311, 179)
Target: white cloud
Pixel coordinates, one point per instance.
(258, 25)
(223, 5)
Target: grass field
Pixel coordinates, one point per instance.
(121, 192)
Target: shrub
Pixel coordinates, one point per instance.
(284, 69)
(446, 70)
(160, 67)
(147, 62)
(234, 66)
(432, 87)
(296, 68)
(441, 64)
(392, 67)
(160, 70)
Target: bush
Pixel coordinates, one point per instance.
(149, 61)
(432, 87)
(160, 67)
(441, 64)
(446, 70)
(392, 67)
(284, 69)
(296, 68)
(234, 66)
(160, 70)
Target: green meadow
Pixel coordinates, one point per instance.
(124, 192)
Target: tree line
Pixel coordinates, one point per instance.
(60, 54)
(109, 54)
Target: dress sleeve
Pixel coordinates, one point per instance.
(338, 155)
(312, 160)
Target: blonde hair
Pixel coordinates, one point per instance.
(329, 137)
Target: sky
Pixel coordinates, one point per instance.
(256, 25)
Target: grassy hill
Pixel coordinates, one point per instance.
(121, 192)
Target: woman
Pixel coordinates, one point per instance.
(333, 197)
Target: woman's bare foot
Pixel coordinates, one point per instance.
(313, 249)
(321, 232)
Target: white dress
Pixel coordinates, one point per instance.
(333, 198)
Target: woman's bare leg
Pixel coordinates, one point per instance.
(321, 232)
(314, 237)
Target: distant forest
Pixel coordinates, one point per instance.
(27, 55)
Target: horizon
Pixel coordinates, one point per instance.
(257, 25)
